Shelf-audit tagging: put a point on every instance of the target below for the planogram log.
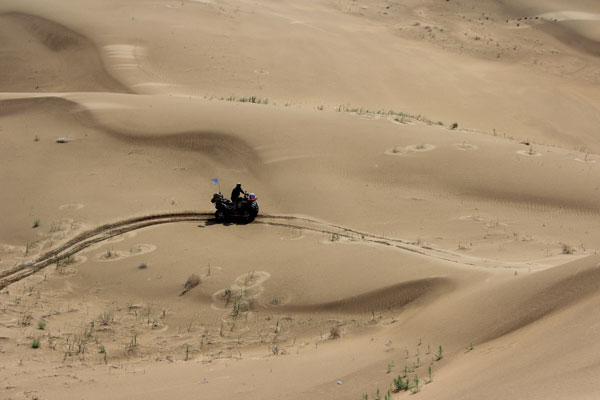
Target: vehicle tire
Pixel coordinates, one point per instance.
(247, 216)
(220, 215)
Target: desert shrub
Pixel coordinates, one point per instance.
(192, 281)
(567, 249)
(335, 332)
(416, 387)
(400, 384)
(106, 318)
(25, 319)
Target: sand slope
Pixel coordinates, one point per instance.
(390, 240)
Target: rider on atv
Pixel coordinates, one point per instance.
(244, 208)
(235, 194)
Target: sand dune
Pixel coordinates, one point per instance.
(41, 55)
(427, 176)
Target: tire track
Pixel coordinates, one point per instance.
(107, 231)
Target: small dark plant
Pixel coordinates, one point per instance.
(335, 332)
(192, 281)
(567, 249)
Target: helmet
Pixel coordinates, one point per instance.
(238, 184)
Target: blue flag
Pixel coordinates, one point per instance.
(215, 181)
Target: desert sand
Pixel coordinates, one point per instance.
(428, 174)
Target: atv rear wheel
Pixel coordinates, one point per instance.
(220, 215)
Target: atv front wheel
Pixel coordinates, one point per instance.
(247, 216)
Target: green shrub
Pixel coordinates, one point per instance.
(400, 384)
(440, 354)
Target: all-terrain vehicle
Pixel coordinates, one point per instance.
(245, 208)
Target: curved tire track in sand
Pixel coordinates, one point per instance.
(107, 231)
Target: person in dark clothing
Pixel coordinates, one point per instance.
(235, 194)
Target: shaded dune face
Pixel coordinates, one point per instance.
(393, 297)
(572, 39)
(25, 105)
(535, 301)
(223, 148)
(527, 198)
(584, 40)
(44, 56)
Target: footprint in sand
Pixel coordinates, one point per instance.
(244, 289)
(585, 160)
(77, 260)
(9, 248)
(401, 121)
(71, 206)
(465, 146)
(332, 238)
(121, 237)
(420, 147)
(413, 148)
(293, 234)
(529, 152)
(116, 239)
(475, 218)
(113, 255)
(66, 267)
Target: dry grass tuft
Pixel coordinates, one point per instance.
(567, 249)
(193, 281)
(335, 332)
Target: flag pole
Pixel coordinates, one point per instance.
(216, 181)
